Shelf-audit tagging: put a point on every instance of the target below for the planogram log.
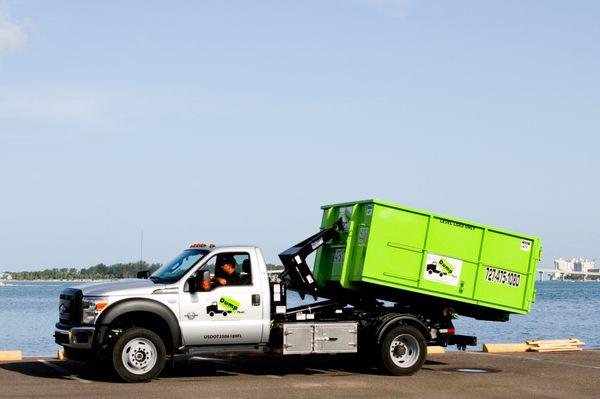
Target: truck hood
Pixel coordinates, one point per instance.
(130, 286)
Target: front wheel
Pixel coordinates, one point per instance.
(403, 350)
(138, 355)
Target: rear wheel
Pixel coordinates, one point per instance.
(403, 350)
(138, 355)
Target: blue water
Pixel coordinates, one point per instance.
(561, 310)
(28, 311)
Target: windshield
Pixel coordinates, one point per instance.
(174, 270)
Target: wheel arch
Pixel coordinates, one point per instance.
(392, 320)
(147, 312)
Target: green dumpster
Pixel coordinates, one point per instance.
(393, 250)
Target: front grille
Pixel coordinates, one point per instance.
(69, 306)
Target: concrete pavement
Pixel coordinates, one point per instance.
(454, 374)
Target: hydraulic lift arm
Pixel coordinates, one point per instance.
(297, 274)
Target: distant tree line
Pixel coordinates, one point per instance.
(97, 272)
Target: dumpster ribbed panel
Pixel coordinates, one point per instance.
(422, 252)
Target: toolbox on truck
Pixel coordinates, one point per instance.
(305, 338)
(397, 252)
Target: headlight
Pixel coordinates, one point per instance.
(91, 308)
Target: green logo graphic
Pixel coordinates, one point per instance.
(230, 304)
(444, 264)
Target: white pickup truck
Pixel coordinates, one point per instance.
(136, 324)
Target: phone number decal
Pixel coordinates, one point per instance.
(500, 276)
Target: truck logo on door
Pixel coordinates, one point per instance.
(224, 307)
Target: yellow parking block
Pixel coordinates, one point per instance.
(435, 350)
(499, 348)
(8, 356)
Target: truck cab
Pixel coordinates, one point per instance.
(172, 303)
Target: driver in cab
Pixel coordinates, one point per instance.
(225, 273)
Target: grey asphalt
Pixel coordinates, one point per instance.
(454, 374)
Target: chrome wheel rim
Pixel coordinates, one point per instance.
(405, 350)
(139, 356)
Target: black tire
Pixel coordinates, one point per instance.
(211, 313)
(135, 341)
(410, 354)
(430, 272)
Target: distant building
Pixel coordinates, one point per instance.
(563, 265)
(574, 265)
(5, 276)
(583, 265)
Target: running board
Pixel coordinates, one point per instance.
(224, 349)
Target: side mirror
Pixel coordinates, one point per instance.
(200, 282)
(143, 274)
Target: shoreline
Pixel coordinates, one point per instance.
(58, 280)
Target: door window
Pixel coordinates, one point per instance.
(229, 269)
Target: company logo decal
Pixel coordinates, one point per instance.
(443, 269)
(223, 307)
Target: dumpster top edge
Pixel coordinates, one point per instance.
(423, 212)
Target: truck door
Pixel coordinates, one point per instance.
(228, 314)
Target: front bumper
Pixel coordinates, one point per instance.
(75, 337)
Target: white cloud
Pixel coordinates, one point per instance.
(12, 36)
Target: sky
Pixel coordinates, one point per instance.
(233, 122)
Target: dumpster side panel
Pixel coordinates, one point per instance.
(426, 253)
(507, 266)
(459, 245)
(459, 239)
(507, 251)
(395, 248)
